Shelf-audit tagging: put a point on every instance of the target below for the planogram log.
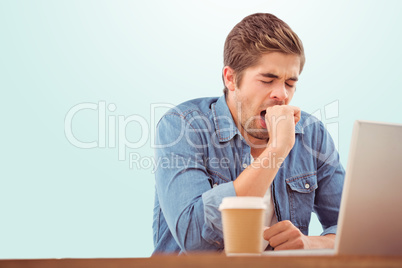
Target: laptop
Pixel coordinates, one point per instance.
(370, 217)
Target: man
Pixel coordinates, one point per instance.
(249, 142)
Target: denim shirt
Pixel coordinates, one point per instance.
(200, 152)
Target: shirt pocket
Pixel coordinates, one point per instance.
(301, 191)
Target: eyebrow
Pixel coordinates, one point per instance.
(271, 75)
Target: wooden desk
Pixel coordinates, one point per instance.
(210, 261)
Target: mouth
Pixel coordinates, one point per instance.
(262, 118)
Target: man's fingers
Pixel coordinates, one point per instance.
(279, 239)
(294, 110)
(292, 243)
(284, 235)
(297, 114)
(276, 229)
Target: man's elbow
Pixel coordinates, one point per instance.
(190, 239)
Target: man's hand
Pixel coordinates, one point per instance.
(284, 235)
(281, 121)
(256, 178)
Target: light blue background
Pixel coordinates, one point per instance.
(57, 200)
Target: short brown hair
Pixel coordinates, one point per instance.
(255, 35)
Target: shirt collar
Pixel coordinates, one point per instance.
(299, 127)
(225, 127)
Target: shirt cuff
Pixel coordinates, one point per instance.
(212, 231)
(330, 230)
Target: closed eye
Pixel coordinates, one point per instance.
(289, 85)
(267, 82)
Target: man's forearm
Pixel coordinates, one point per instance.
(257, 177)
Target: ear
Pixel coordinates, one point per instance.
(229, 78)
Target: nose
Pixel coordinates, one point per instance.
(279, 93)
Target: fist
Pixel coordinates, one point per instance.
(281, 121)
(284, 235)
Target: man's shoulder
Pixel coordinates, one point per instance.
(309, 123)
(201, 106)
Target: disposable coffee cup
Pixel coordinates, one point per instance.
(243, 222)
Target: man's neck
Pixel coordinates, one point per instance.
(257, 146)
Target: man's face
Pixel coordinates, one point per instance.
(271, 82)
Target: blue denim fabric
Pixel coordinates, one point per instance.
(201, 152)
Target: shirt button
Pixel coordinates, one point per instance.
(307, 186)
(244, 165)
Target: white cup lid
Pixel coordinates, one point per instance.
(242, 202)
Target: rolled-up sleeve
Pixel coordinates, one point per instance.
(187, 199)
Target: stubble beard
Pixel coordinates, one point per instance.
(251, 127)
